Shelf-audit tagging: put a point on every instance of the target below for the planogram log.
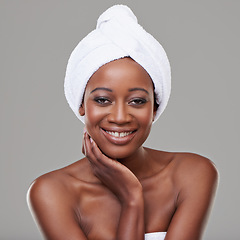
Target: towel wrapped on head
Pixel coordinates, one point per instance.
(116, 36)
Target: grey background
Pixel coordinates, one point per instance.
(39, 133)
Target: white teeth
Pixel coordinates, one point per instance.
(117, 134)
(122, 134)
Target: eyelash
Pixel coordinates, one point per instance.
(105, 101)
(139, 101)
(101, 100)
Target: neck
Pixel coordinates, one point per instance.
(138, 163)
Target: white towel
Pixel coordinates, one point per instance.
(117, 35)
(155, 236)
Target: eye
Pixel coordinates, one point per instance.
(138, 101)
(102, 100)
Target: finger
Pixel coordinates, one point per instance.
(100, 157)
(84, 131)
(97, 157)
(88, 149)
(83, 148)
(96, 150)
(96, 166)
(84, 145)
(99, 160)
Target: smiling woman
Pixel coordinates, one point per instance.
(118, 83)
(118, 107)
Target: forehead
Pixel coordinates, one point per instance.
(123, 72)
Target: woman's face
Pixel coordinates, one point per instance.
(119, 107)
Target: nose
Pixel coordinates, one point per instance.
(119, 114)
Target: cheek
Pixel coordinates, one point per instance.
(92, 113)
(145, 115)
(145, 119)
(93, 116)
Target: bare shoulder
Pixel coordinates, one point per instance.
(190, 164)
(193, 171)
(60, 185)
(52, 201)
(47, 188)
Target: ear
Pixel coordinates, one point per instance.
(82, 110)
(154, 111)
(154, 114)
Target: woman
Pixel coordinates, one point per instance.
(118, 83)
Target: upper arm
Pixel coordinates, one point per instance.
(197, 181)
(51, 207)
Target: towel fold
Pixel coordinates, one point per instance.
(117, 35)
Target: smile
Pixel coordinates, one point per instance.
(119, 137)
(119, 134)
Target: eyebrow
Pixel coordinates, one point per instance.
(101, 88)
(138, 89)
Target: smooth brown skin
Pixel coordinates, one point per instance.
(123, 191)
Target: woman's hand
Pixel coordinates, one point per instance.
(115, 176)
(126, 187)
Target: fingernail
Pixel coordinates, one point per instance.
(91, 140)
(84, 130)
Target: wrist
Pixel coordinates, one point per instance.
(134, 200)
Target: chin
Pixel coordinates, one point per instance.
(117, 156)
(118, 152)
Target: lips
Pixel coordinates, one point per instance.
(119, 137)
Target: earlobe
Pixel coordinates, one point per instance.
(82, 110)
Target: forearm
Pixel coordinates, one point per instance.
(131, 223)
